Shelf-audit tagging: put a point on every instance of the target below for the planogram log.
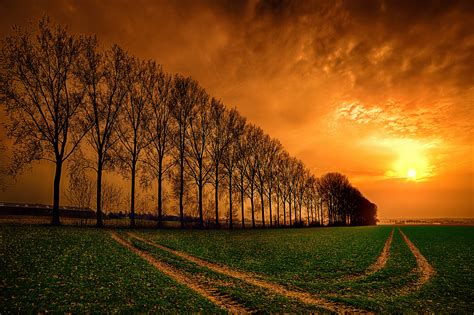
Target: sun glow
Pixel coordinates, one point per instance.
(412, 159)
(411, 173)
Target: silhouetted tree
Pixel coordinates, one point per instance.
(133, 125)
(252, 139)
(80, 187)
(184, 98)
(235, 124)
(42, 96)
(220, 137)
(242, 162)
(159, 131)
(283, 180)
(104, 78)
(197, 142)
(112, 197)
(272, 152)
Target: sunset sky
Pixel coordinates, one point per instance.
(382, 91)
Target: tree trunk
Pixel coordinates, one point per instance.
(230, 200)
(307, 211)
(132, 197)
(56, 190)
(251, 205)
(181, 188)
(296, 210)
(160, 192)
(100, 222)
(278, 210)
(263, 208)
(301, 221)
(242, 199)
(289, 207)
(201, 218)
(270, 204)
(217, 194)
(284, 212)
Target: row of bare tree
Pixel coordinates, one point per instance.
(64, 94)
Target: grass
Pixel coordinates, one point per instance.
(77, 270)
(450, 250)
(83, 270)
(283, 254)
(252, 297)
(316, 260)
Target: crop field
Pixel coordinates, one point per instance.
(379, 268)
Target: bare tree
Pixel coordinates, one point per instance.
(159, 131)
(261, 147)
(184, 97)
(283, 180)
(273, 150)
(253, 136)
(197, 141)
(219, 139)
(42, 97)
(80, 187)
(112, 197)
(242, 161)
(236, 126)
(104, 76)
(132, 126)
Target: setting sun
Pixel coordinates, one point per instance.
(411, 173)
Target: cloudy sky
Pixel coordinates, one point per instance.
(382, 91)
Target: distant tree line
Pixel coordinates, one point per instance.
(62, 92)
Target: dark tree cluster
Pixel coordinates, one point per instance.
(63, 93)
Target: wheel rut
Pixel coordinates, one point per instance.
(423, 266)
(379, 264)
(203, 289)
(304, 297)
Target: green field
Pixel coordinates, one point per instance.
(84, 270)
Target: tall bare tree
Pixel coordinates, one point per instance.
(220, 137)
(235, 124)
(133, 125)
(184, 97)
(104, 76)
(252, 140)
(242, 161)
(273, 150)
(42, 97)
(283, 180)
(159, 131)
(197, 157)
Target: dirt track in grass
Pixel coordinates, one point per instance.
(304, 297)
(423, 266)
(201, 288)
(378, 264)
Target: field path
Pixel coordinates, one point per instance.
(208, 292)
(379, 263)
(424, 267)
(304, 297)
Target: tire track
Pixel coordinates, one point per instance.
(423, 266)
(304, 297)
(207, 292)
(378, 264)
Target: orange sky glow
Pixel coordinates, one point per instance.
(382, 91)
